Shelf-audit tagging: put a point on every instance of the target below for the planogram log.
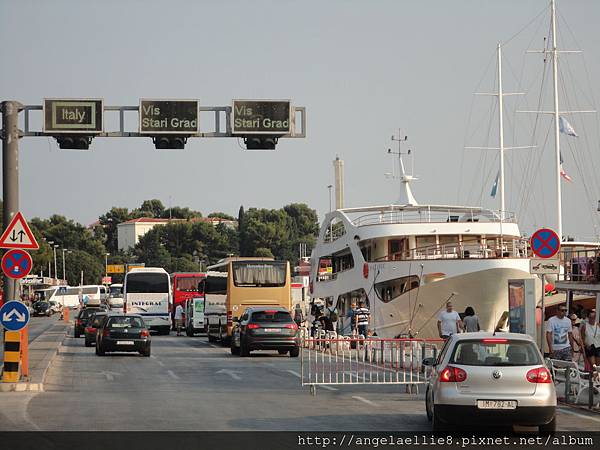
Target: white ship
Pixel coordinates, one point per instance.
(409, 259)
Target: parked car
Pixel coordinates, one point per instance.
(265, 328)
(498, 379)
(123, 333)
(93, 324)
(82, 320)
(42, 308)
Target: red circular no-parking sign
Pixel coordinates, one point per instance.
(545, 243)
(16, 263)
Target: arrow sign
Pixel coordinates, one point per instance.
(14, 315)
(232, 373)
(16, 264)
(18, 234)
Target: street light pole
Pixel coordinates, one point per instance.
(106, 255)
(55, 267)
(64, 250)
(51, 244)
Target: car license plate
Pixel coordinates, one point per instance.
(272, 330)
(124, 342)
(497, 404)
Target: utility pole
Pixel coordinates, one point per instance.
(10, 174)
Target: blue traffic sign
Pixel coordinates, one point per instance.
(14, 315)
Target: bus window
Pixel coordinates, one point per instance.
(143, 283)
(263, 274)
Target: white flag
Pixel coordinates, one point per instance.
(566, 127)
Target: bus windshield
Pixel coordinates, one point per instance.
(187, 284)
(145, 283)
(259, 274)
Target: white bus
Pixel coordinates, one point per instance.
(147, 292)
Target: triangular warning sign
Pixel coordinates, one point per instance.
(18, 234)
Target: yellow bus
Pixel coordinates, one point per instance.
(235, 283)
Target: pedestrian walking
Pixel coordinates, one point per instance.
(298, 315)
(352, 317)
(362, 318)
(471, 321)
(559, 336)
(178, 318)
(449, 322)
(590, 333)
(332, 312)
(578, 347)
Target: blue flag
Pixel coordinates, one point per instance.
(495, 186)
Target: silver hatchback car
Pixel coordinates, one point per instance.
(498, 379)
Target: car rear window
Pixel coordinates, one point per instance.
(125, 322)
(495, 352)
(97, 320)
(271, 316)
(86, 313)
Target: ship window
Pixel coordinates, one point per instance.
(391, 289)
(334, 230)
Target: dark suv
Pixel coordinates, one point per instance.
(265, 328)
(123, 333)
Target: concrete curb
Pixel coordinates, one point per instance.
(42, 351)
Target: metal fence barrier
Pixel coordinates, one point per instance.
(340, 360)
(574, 385)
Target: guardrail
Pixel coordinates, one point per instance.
(341, 360)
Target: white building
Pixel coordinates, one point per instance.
(129, 233)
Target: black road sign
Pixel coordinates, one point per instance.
(261, 117)
(169, 117)
(73, 116)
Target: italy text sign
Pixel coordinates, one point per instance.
(69, 116)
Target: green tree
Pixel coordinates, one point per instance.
(262, 252)
(153, 208)
(109, 223)
(151, 251)
(221, 215)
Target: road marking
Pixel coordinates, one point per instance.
(213, 345)
(110, 376)
(173, 375)
(364, 400)
(573, 413)
(232, 373)
(329, 388)
(296, 374)
(160, 363)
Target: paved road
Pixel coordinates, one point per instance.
(189, 384)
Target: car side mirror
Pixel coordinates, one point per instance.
(429, 361)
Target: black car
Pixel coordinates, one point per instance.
(82, 320)
(42, 308)
(94, 322)
(123, 333)
(265, 328)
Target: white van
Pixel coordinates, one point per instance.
(75, 296)
(147, 292)
(194, 316)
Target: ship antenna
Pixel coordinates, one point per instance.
(406, 195)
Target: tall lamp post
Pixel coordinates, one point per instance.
(54, 247)
(106, 255)
(51, 244)
(64, 250)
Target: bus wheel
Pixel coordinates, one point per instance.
(188, 331)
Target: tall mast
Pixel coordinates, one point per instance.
(501, 131)
(556, 124)
(406, 195)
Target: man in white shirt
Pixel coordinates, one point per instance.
(559, 336)
(449, 322)
(178, 318)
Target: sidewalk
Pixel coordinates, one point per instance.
(41, 351)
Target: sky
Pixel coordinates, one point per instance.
(362, 69)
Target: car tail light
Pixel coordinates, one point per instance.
(144, 333)
(106, 332)
(90, 329)
(495, 341)
(453, 374)
(293, 326)
(253, 326)
(539, 375)
(78, 322)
